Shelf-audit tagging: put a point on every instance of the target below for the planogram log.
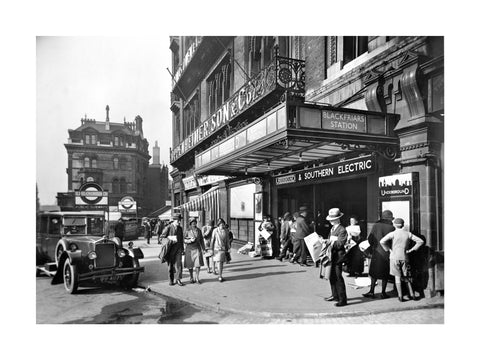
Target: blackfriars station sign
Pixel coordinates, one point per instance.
(357, 166)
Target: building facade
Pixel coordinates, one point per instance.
(157, 191)
(113, 155)
(276, 123)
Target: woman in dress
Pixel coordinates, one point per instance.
(220, 245)
(207, 231)
(355, 257)
(380, 262)
(194, 248)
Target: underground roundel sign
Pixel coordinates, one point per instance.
(91, 194)
(127, 203)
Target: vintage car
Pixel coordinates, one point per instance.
(83, 254)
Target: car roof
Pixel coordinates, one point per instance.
(74, 213)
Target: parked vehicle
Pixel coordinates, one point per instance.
(82, 253)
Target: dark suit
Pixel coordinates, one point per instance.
(174, 260)
(338, 257)
(299, 246)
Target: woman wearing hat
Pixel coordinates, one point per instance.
(337, 240)
(220, 245)
(195, 246)
(380, 263)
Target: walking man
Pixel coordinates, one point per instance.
(337, 239)
(120, 230)
(174, 233)
(302, 230)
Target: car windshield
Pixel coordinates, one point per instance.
(90, 225)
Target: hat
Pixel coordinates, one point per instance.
(176, 217)
(303, 208)
(398, 221)
(192, 220)
(334, 214)
(219, 221)
(387, 215)
(287, 216)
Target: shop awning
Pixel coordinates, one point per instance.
(206, 201)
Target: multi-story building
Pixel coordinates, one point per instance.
(157, 192)
(113, 155)
(273, 123)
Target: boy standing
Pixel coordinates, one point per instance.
(399, 264)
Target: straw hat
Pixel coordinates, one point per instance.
(334, 214)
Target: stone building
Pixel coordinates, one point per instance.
(266, 124)
(157, 190)
(113, 155)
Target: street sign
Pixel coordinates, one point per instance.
(91, 196)
(127, 204)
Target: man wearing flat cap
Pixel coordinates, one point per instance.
(174, 233)
(337, 240)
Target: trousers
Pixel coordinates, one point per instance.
(175, 267)
(288, 245)
(337, 284)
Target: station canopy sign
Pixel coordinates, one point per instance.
(358, 166)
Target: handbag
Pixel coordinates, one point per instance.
(228, 256)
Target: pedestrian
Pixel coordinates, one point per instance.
(355, 258)
(230, 241)
(120, 230)
(159, 226)
(379, 264)
(285, 236)
(267, 242)
(220, 245)
(293, 230)
(337, 240)
(207, 231)
(302, 230)
(174, 233)
(399, 258)
(194, 249)
(148, 230)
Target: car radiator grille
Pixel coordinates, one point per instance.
(105, 255)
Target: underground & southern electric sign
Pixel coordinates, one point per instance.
(91, 196)
(357, 166)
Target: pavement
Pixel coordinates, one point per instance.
(269, 288)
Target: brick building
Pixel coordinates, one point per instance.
(266, 124)
(113, 155)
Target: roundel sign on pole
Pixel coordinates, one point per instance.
(127, 204)
(91, 195)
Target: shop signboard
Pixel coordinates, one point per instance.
(189, 182)
(210, 179)
(358, 166)
(399, 194)
(91, 196)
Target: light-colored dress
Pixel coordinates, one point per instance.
(193, 250)
(220, 244)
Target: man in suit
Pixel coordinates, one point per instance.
(337, 240)
(302, 230)
(174, 233)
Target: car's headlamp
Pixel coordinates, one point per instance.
(92, 255)
(73, 247)
(121, 253)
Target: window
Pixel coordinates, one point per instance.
(115, 186)
(115, 141)
(115, 163)
(94, 140)
(353, 47)
(94, 163)
(123, 186)
(218, 86)
(123, 164)
(86, 162)
(87, 139)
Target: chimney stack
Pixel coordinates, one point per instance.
(107, 121)
(156, 154)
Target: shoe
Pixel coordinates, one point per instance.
(302, 264)
(198, 281)
(341, 303)
(280, 259)
(400, 299)
(384, 296)
(369, 295)
(331, 298)
(209, 271)
(179, 283)
(192, 280)
(414, 298)
(171, 283)
(220, 279)
(215, 272)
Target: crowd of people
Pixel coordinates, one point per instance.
(386, 249)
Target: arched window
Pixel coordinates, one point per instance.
(94, 140)
(115, 140)
(115, 163)
(94, 163)
(123, 186)
(115, 186)
(86, 162)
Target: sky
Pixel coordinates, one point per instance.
(81, 75)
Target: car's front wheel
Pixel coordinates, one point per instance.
(130, 281)
(70, 277)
